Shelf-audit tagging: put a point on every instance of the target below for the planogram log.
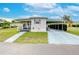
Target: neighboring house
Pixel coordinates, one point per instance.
(33, 24)
(1, 21)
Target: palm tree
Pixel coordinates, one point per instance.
(67, 19)
(13, 21)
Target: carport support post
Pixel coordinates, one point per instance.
(58, 26)
(55, 26)
(77, 26)
(46, 27)
(62, 25)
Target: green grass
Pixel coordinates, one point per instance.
(6, 33)
(33, 38)
(73, 30)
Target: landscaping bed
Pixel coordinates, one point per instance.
(73, 30)
(33, 38)
(6, 33)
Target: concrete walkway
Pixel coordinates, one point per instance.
(13, 38)
(61, 37)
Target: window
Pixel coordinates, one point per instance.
(37, 21)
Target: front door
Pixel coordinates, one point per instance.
(26, 26)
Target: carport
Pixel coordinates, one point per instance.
(57, 25)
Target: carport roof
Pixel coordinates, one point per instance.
(55, 20)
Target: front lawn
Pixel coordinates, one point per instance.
(73, 30)
(6, 33)
(33, 38)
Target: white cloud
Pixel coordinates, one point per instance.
(7, 19)
(58, 11)
(42, 5)
(62, 11)
(75, 14)
(73, 8)
(26, 9)
(53, 9)
(6, 9)
(38, 9)
(55, 17)
(24, 16)
(35, 15)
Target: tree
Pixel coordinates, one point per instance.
(13, 21)
(67, 19)
(6, 24)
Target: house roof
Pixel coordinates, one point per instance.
(22, 19)
(30, 18)
(38, 18)
(1, 21)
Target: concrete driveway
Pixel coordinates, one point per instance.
(61, 37)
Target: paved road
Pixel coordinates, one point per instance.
(61, 37)
(13, 38)
(38, 49)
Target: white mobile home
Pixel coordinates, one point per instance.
(33, 24)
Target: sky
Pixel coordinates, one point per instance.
(50, 10)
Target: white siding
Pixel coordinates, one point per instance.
(41, 27)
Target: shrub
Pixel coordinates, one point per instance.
(6, 25)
